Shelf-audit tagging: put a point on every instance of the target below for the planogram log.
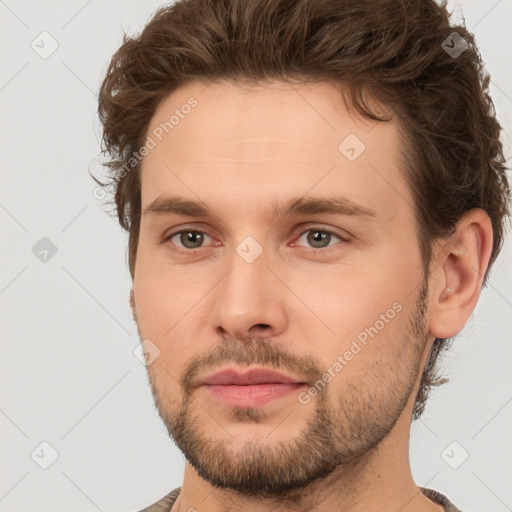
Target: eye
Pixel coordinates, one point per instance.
(319, 238)
(188, 239)
(316, 238)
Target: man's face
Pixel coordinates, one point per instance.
(332, 300)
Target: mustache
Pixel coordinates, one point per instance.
(250, 351)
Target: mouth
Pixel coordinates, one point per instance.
(253, 388)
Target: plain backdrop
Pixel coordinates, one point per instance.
(69, 376)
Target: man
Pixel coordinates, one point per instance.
(314, 193)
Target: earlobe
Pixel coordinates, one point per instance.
(461, 265)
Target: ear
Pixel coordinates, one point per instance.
(460, 265)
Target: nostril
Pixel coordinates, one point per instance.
(262, 326)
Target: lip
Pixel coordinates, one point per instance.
(232, 377)
(252, 388)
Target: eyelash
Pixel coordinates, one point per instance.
(313, 228)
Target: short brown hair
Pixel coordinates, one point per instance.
(396, 51)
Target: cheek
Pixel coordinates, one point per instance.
(168, 301)
(362, 313)
(347, 300)
(173, 308)
(164, 293)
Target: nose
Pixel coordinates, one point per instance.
(249, 301)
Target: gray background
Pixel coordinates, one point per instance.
(69, 376)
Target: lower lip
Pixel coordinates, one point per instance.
(252, 395)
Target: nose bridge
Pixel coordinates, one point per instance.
(247, 300)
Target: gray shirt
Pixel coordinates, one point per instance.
(165, 504)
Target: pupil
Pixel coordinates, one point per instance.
(192, 239)
(317, 237)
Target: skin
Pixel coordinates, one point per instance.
(298, 305)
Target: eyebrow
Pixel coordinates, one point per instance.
(170, 205)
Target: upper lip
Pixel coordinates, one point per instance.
(245, 378)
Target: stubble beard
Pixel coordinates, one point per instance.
(334, 437)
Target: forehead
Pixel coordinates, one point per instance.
(252, 144)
